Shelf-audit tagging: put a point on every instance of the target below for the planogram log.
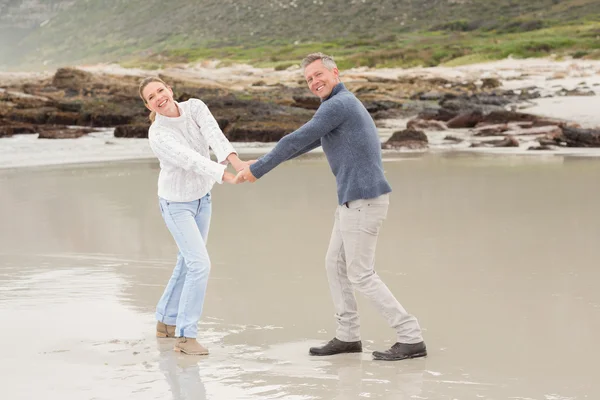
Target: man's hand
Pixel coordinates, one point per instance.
(245, 175)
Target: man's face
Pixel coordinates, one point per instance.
(321, 80)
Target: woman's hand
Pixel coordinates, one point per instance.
(238, 164)
(228, 177)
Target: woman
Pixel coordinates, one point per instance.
(180, 136)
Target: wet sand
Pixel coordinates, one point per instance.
(496, 255)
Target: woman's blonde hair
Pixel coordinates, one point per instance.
(143, 85)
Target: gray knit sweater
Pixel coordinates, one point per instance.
(344, 128)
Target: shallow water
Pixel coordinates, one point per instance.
(497, 257)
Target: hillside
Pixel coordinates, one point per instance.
(77, 31)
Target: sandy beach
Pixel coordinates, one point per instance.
(493, 249)
(496, 255)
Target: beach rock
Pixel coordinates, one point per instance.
(454, 139)
(529, 93)
(380, 105)
(132, 131)
(105, 120)
(503, 117)
(71, 79)
(431, 95)
(260, 130)
(9, 128)
(490, 83)
(468, 110)
(491, 129)
(69, 106)
(574, 137)
(542, 147)
(508, 141)
(63, 118)
(484, 129)
(438, 114)
(550, 141)
(408, 138)
(466, 120)
(62, 133)
(37, 116)
(392, 113)
(23, 100)
(422, 124)
(480, 102)
(521, 124)
(308, 102)
(550, 130)
(576, 92)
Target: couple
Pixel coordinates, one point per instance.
(180, 136)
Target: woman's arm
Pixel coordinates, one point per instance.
(235, 161)
(168, 148)
(212, 133)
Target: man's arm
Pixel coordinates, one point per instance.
(328, 117)
(312, 146)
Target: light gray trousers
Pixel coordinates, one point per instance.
(350, 266)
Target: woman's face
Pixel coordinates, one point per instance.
(159, 98)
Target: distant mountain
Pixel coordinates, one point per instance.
(38, 32)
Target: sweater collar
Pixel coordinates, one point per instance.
(172, 119)
(336, 89)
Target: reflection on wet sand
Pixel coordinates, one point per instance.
(496, 256)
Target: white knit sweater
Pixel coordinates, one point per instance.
(182, 146)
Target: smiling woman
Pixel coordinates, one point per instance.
(180, 137)
(158, 95)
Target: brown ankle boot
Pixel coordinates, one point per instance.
(190, 346)
(164, 330)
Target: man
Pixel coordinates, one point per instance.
(350, 141)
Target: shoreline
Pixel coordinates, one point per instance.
(251, 152)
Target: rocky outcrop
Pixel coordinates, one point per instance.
(466, 120)
(309, 102)
(73, 80)
(575, 137)
(267, 112)
(8, 129)
(509, 141)
(62, 133)
(407, 139)
(422, 124)
(132, 131)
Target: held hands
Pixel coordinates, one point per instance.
(238, 164)
(229, 177)
(244, 174)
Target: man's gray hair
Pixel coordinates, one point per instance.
(325, 59)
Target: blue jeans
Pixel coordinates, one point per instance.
(181, 303)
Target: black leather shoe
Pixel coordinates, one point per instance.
(336, 346)
(401, 351)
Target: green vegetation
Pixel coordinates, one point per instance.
(408, 50)
(386, 33)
